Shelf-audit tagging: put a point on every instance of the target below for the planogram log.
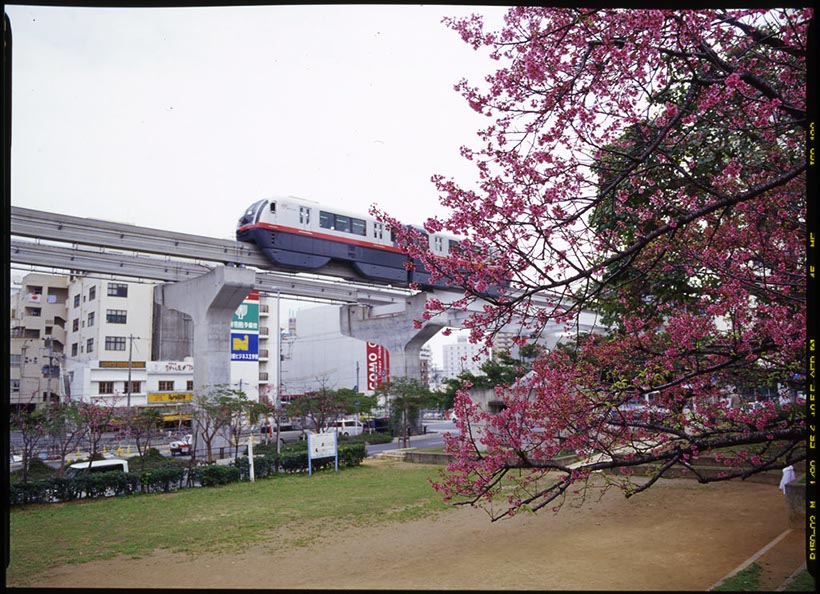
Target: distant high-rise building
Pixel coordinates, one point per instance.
(462, 356)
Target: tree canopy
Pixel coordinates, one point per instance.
(649, 165)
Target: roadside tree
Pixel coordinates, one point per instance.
(405, 398)
(213, 414)
(649, 165)
(143, 425)
(320, 407)
(238, 411)
(33, 429)
(66, 429)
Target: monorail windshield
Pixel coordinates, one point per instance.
(252, 213)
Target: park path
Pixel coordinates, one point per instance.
(676, 536)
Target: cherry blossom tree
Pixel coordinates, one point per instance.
(649, 165)
(99, 419)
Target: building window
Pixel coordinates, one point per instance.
(117, 290)
(90, 319)
(75, 325)
(89, 345)
(16, 360)
(106, 388)
(166, 386)
(15, 385)
(115, 343)
(115, 316)
(92, 293)
(190, 385)
(135, 387)
(77, 300)
(74, 349)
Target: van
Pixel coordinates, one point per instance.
(346, 427)
(109, 465)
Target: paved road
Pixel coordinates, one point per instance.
(433, 438)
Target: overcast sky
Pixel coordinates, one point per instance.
(181, 117)
(178, 118)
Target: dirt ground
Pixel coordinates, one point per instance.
(677, 536)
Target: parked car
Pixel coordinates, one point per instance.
(183, 446)
(377, 425)
(345, 427)
(108, 465)
(288, 433)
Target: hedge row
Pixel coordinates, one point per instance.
(168, 478)
(294, 458)
(163, 479)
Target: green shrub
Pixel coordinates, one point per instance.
(352, 454)
(215, 474)
(162, 478)
(263, 466)
(38, 491)
(367, 438)
(98, 484)
(65, 489)
(294, 461)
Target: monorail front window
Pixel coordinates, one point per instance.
(252, 214)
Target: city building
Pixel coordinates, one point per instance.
(462, 356)
(106, 341)
(317, 355)
(38, 320)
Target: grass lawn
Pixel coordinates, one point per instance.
(218, 518)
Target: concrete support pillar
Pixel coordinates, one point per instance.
(391, 326)
(211, 301)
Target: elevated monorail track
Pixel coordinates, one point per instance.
(69, 243)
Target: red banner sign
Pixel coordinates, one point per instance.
(378, 365)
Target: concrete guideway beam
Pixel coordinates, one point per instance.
(211, 301)
(391, 326)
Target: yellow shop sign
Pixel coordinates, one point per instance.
(170, 396)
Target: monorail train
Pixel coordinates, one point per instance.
(298, 234)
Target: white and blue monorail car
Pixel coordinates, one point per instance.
(299, 234)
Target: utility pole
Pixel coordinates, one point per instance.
(130, 353)
(50, 344)
(278, 374)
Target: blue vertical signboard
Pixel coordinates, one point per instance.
(245, 330)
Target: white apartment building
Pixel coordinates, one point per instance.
(109, 340)
(462, 356)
